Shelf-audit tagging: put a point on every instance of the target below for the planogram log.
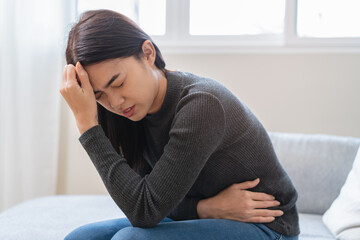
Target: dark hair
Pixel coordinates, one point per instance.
(102, 35)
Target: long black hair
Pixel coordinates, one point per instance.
(102, 35)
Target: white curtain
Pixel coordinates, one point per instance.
(32, 45)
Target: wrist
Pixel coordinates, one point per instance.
(205, 209)
(83, 127)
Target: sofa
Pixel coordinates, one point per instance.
(317, 164)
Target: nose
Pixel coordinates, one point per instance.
(115, 101)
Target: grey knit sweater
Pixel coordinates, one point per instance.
(202, 140)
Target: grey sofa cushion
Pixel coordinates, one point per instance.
(52, 218)
(317, 164)
(312, 228)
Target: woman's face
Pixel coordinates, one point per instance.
(127, 86)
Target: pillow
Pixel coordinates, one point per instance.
(343, 216)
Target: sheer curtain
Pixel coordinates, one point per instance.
(32, 43)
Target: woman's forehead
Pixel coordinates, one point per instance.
(100, 73)
(107, 65)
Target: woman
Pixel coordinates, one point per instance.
(177, 152)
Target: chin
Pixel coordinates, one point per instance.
(136, 118)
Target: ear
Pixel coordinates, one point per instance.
(149, 52)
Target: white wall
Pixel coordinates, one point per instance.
(288, 92)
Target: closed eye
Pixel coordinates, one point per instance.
(119, 85)
(99, 96)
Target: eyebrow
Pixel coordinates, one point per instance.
(110, 82)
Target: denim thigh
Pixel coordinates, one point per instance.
(102, 230)
(209, 229)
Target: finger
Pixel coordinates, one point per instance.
(261, 196)
(266, 213)
(265, 204)
(71, 75)
(248, 184)
(260, 219)
(83, 76)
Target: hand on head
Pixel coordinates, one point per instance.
(76, 89)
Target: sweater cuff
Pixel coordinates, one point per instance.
(193, 209)
(91, 133)
(186, 210)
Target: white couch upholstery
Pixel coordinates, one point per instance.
(317, 164)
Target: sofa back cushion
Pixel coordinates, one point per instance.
(317, 164)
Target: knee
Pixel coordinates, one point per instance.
(132, 233)
(76, 235)
(82, 233)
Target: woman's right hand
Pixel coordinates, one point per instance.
(77, 91)
(237, 203)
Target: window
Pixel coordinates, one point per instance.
(149, 14)
(328, 18)
(236, 17)
(228, 25)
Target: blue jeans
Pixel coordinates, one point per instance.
(209, 229)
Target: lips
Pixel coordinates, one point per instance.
(128, 112)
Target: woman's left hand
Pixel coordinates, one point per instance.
(237, 203)
(77, 91)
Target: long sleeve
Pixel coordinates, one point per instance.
(186, 210)
(196, 132)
